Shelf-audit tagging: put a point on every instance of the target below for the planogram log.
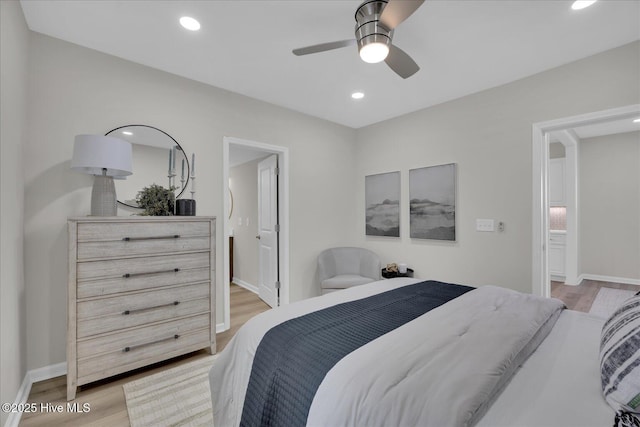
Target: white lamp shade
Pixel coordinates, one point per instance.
(93, 153)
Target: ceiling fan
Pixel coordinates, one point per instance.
(375, 22)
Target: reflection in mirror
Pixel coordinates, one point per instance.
(155, 153)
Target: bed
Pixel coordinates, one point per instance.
(538, 366)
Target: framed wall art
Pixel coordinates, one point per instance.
(432, 202)
(382, 201)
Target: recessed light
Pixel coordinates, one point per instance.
(189, 23)
(581, 4)
(637, 120)
(357, 95)
(126, 132)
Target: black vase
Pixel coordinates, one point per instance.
(186, 207)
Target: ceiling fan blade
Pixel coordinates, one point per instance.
(323, 47)
(401, 63)
(397, 11)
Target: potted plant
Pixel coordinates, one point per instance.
(156, 200)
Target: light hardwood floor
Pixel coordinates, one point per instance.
(580, 298)
(106, 398)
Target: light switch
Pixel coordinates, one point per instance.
(484, 225)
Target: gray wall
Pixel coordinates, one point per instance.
(488, 134)
(243, 182)
(77, 90)
(610, 206)
(14, 45)
(556, 150)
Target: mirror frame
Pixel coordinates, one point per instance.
(186, 183)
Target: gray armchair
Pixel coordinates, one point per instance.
(340, 268)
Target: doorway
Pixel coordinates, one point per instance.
(237, 151)
(541, 142)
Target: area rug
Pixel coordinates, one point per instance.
(179, 396)
(608, 300)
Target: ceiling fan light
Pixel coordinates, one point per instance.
(374, 52)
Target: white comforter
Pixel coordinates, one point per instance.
(559, 385)
(441, 369)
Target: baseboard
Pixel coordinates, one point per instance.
(220, 328)
(246, 285)
(48, 372)
(23, 395)
(33, 376)
(625, 280)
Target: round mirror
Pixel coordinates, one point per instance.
(157, 159)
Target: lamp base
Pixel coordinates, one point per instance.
(103, 196)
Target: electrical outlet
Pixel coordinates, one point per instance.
(501, 226)
(484, 225)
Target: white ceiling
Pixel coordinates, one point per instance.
(245, 46)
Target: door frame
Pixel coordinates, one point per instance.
(283, 202)
(540, 284)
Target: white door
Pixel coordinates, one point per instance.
(267, 229)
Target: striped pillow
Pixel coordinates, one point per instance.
(620, 358)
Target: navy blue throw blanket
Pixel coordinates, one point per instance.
(294, 357)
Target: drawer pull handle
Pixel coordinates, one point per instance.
(173, 236)
(133, 347)
(127, 275)
(139, 310)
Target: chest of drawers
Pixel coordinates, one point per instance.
(141, 290)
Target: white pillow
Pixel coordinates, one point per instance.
(620, 361)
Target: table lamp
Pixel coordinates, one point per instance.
(106, 158)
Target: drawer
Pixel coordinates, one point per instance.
(109, 364)
(98, 316)
(124, 248)
(97, 278)
(105, 240)
(118, 230)
(137, 340)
